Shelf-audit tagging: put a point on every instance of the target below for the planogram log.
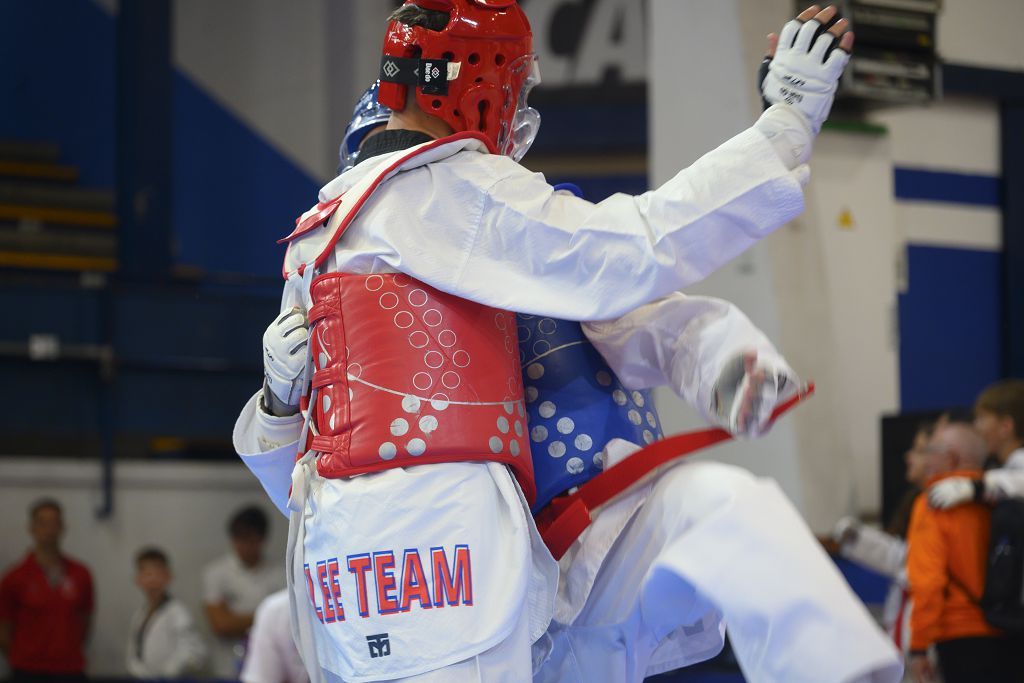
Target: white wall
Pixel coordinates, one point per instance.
(180, 507)
(982, 33)
(688, 112)
(291, 71)
(827, 293)
(823, 288)
(956, 134)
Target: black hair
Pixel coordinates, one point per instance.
(248, 520)
(152, 554)
(42, 504)
(414, 15)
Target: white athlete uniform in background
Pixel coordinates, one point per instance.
(885, 554)
(242, 589)
(645, 587)
(164, 644)
(271, 656)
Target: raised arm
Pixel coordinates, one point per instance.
(706, 350)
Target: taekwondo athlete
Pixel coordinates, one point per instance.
(443, 235)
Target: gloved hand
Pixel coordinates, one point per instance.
(801, 71)
(846, 530)
(952, 492)
(284, 362)
(747, 392)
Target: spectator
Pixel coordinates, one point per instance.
(885, 552)
(164, 642)
(235, 585)
(272, 656)
(46, 604)
(999, 418)
(946, 569)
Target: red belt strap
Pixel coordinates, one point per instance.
(563, 520)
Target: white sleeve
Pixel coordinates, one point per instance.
(876, 550)
(133, 664)
(263, 661)
(213, 586)
(268, 445)
(682, 341)
(483, 228)
(189, 650)
(1004, 483)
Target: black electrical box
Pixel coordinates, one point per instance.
(895, 58)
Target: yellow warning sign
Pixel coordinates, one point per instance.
(846, 221)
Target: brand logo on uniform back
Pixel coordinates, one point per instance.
(380, 645)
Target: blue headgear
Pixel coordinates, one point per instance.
(368, 114)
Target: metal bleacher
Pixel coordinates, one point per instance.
(48, 222)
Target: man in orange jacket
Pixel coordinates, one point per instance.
(946, 570)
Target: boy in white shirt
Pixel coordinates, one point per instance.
(233, 587)
(164, 641)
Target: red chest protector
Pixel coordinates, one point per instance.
(406, 375)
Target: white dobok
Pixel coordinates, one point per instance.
(647, 586)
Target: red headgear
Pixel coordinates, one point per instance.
(474, 74)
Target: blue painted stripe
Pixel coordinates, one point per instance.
(954, 188)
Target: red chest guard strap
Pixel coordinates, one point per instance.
(408, 375)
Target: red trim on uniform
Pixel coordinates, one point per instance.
(563, 520)
(347, 221)
(336, 202)
(324, 210)
(897, 631)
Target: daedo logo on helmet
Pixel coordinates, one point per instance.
(475, 73)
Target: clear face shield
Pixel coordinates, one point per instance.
(526, 123)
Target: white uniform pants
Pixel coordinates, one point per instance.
(645, 589)
(642, 591)
(487, 638)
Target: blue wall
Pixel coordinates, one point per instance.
(950, 327)
(234, 194)
(57, 81)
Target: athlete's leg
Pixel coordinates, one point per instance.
(713, 537)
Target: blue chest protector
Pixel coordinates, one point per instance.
(575, 405)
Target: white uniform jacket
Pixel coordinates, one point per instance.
(1008, 480)
(271, 656)
(166, 645)
(484, 228)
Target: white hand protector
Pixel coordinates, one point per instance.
(846, 529)
(952, 492)
(1002, 483)
(747, 392)
(284, 361)
(803, 74)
